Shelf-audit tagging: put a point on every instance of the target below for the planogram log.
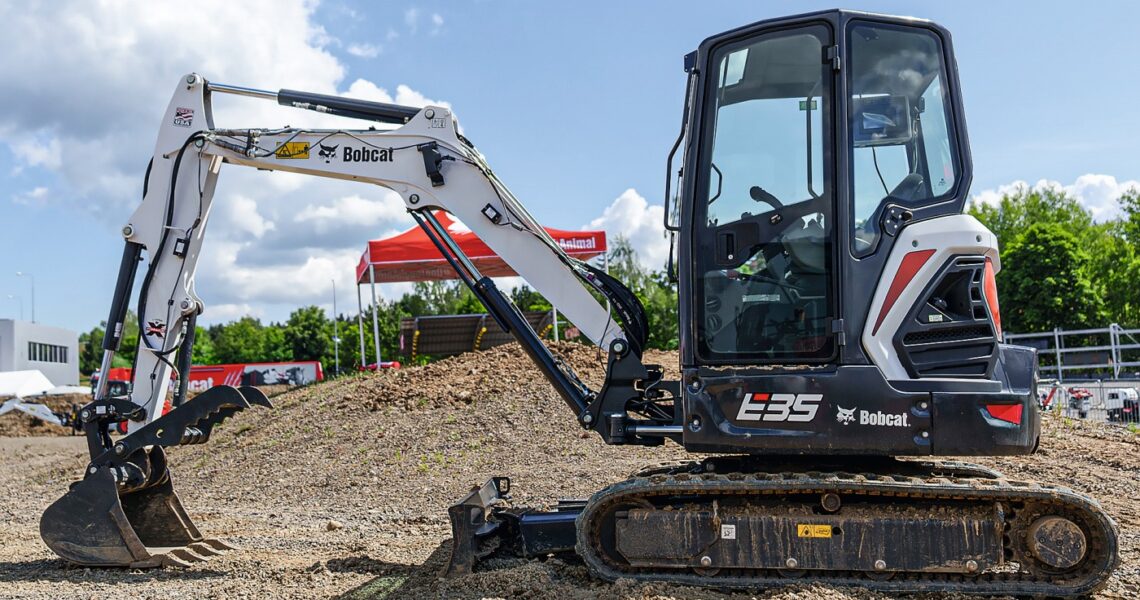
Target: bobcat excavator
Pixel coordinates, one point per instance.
(838, 311)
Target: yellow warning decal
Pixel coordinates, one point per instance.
(293, 150)
(805, 530)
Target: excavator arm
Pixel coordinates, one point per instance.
(125, 511)
(425, 160)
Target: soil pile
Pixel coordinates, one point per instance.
(342, 490)
(20, 424)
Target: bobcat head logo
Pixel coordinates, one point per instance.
(845, 415)
(328, 152)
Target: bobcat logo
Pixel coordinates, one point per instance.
(845, 415)
(328, 152)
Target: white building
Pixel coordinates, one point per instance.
(52, 351)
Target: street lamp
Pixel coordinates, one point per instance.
(336, 333)
(33, 280)
(20, 299)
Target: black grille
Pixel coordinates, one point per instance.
(950, 334)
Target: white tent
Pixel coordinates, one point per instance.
(38, 411)
(60, 390)
(23, 383)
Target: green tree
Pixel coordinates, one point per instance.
(657, 294)
(274, 348)
(1130, 206)
(203, 352)
(308, 334)
(129, 343)
(91, 350)
(239, 341)
(528, 299)
(1047, 281)
(1016, 211)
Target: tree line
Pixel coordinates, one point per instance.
(1060, 268)
(308, 333)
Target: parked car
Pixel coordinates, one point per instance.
(1122, 405)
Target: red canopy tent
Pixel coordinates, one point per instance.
(411, 256)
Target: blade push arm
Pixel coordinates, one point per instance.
(425, 161)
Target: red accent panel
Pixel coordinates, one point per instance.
(989, 288)
(909, 267)
(760, 397)
(1010, 413)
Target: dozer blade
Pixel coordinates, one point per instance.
(484, 524)
(125, 512)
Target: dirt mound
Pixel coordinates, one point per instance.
(20, 424)
(384, 454)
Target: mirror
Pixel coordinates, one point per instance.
(881, 121)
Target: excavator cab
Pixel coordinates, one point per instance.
(825, 266)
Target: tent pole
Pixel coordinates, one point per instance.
(375, 314)
(555, 308)
(360, 324)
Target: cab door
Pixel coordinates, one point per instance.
(763, 237)
(905, 155)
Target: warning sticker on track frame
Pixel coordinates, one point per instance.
(806, 530)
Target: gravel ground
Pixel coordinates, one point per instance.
(342, 490)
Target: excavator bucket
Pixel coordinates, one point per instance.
(125, 512)
(92, 525)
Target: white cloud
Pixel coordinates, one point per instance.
(364, 50)
(291, 284)
(222, 313)
(436, 22)
(91, 124)
(110, 82)
(366, 90)
(1098, 193)
(630, 215)
(37, 195)
(240, 214)
(36, 152)
(353, 210)
(412, 19)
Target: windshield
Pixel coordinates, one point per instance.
(765, 249)
(899, 124)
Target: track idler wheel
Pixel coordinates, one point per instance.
(126, 516)
(1057, 542)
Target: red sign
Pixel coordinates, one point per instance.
(204, 377)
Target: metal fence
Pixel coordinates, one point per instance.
(1111, 401)
(1085, 355)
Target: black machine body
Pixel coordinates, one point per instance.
(834, 299)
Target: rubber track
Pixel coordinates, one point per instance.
(1089, 577)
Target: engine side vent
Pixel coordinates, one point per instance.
(950, 333)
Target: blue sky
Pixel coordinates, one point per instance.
(575, 105)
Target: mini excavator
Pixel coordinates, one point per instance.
(839, 330)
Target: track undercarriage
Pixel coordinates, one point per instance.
(891, 526)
